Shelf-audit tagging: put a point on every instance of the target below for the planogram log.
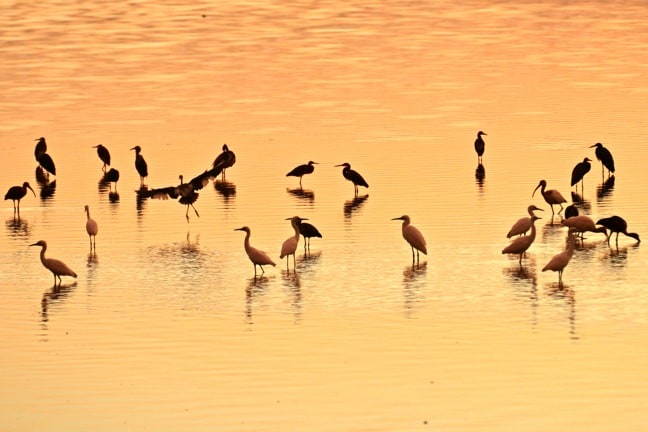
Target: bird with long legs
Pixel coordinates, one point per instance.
(257, 256)
(289, 247)
(551, 196)
(618, 225)
(578, 173)
(58, 268)
(605, 157)
(413, 236)
(302, 170)
(16, 193)
(308, 231)
(560, 261)
(480, 146)
(523, 224)
(582, 224)
(353, 176)
(104, 156)
(92, 228)
(140, 165)
(42, 157)
(519, 245)
(224, 160)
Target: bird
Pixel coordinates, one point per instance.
(605, 157)
(58, 268)
(44, 159)
(112, 176)
(308, 231)
(289, 247)
(560, 261)
(579, 172)
(413, 236)
(519, 245)
(353, 176)
(104, 155)
(224, 160)
(258, 257)
(16, 193)
(582, 224)
(616, 224)
(91, 228)
(301, 170)
(140, 165)
(41, 147)
(480, 146)
(523, 224)
(551, 196)
(571, 211)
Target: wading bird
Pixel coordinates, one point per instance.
(58, 268)
(43, 159)
(571, 211)
(140, 165)
(605, 157)
(616, 224)
(112, 176)
(301, 170)
(560, 261)
(353, 176)
(308, 231)
(480, 146)
(91, 228)
(523, 224)
(224, 160)
(104, 155)
(16, 193)
(289, 247)
(551, 196)
(519, 245)
(413, 236)
(581, 224)
(258, 257)
(579, 172)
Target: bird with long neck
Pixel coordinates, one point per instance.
(353, 176)
(257, 256)
(58, 268)
(92, 228)
(480, 146)
(560, 261)
(523, 224)
(413, 236)
(605, 157)
(290, 245)
(618, 225)
(551, 196)
(519, 245)
(140, 165)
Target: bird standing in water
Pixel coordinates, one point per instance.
(140, 165)
(353, 176)
(289, 247)
(224, 160)
(44, 159)
(16, 193)
(519, 245)
(605, 157)
(92, 229)
(480, 146)
(258, 257)
(551, 196)
(413, 236)
(579, 171)
(560, 261)
(104, 155)
(58, 268)
(616, 224)
(308, 231)
(301, 170)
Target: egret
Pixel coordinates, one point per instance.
(605, 157)
(258, 257)
(224, 160)
(616, 224)
(104, 155)
(523, 224)
(301, 170)
(58, 268)
(16, 193)
(308, 231)
(353, 176)
(551, 196)
(112, 176)
(582, 223)
(560, 261)
(579, 172)
(413, 236)
(43, 159)
(289, 247)
(91, 228)
(520, 244)
(480, 146)
(140, 165)
(571, 211)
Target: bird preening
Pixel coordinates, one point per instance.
(224, 160)
(58, 268)
(42, 157)
(413, 236)
(353, 176)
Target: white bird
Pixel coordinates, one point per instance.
(583, 223)
(560, 261)
(519, 245)
(413, 236)
(92, 229)
(523, 224)
(258, 257)
(551, 196)
(290, 245)
(58, 268)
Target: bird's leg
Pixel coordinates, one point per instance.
(561, 208)
(300, 185)
(194, 209)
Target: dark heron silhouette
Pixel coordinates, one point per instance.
(616, 224)
(480, 146)
(519, 245)
(58, 268)
(140, 165)
(551, 196)
(353, 176)
(224, 160)
(302, 170)
(258, 257)
(104, 155)
(16, 193)
(605, 157)
(413, 236)
(571, 211)
(289, 247)
(308, 231)
(112, 176)
(44, 159)
(579, 172)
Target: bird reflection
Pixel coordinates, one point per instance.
(53, 296)
(304, 194)
(525, 283)
(92, 258)
(47, 188)
(18, 227)
(292, 283)
(256, 287)
(563, 293)
(605, 188)
(351, 206)
(225, 188)
(413, 282)
(480, 175)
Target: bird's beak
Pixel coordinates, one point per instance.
(339, 165)
(592, 146)
(534, 191)
(29, 187)
(34, 244)
(133, 148)
(396, 218)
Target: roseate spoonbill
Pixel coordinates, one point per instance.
(58, 268)
(560, 261)
(140, 165)
(523, 224)
(616, 224)
(605, 157)
(92, 228)
(290, 245)
(480, 146)
(353, 176)
(302, 170)
(413, 236)
(579, 172)
(16, 193)
(582, 223)
(258, 257)
(308, 231)
(551, 196)
(104, 155)
(224, 160)
(519, 245)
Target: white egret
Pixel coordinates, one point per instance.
(551, 196)
(560, 261)
(616, 224)
(413, 236)
(523, 224)
(520, 244)
(91, 228)
(289, 247)
(353, 176)
(302, 170)
(258, 257)
(58, 268)
(480, 146)
(140, 165)
(583, 223)
(16, 193)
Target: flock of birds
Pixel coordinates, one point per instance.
(186, 194)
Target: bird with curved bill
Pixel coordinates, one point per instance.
(618, 225)
(551, 196)
(16, 193)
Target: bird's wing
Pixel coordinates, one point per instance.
(159, 193)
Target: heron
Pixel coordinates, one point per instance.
(308, 231)
(519, 245)
(353, 176)
(16, 193)
(616, 224)
(140, 165)
(224, 160)
(523, 224)
(551, 196)
(605, 157)
(258, 257)
(413, 236)
(91, 228)
(44, 159)
(582, 223)
(560, 261)
(58, 268)
(302, 170)
(104, 155)
(579, 172)
(480, 146)
(289, 247)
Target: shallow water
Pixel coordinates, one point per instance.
(166, 326)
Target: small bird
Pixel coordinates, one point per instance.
(43, 159)
(289, 247)
(413, 236)
(571, 211)
(308, 231)
(41, 147)
(224, 160)
(605, 157)
(112, 176)
(523, 224)
(258, 257)
(91, 228)
(58, 268)
(616, 224)
(551, 196)
(560, 261)
(519, 245)
(582, 223)
(353, 176)
(301, 170)
(16, 193)
(480, 146)
(104, 155)
(140, 165)
(579, 172)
